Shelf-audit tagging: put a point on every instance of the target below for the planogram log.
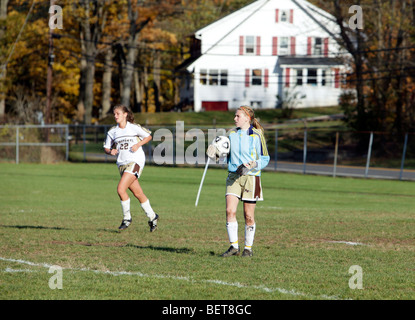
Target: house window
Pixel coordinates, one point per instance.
(203, 76)
(249, 44)
(323, 78)
(312, 77)
(283, 49)
(284, 16)
(214, 77)
(327, 78)
(318, 46)
(299, 75)
(256, 104)
(256, 77)
(224, 77)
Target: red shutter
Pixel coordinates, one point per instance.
(277, 12)
(326, 47)
(293, 46)
(241, 45)
(246, 78)
(266, 77)
(291, 16)
(258, 46)
(287, 77)
(336, 78)
(309, 40)
(274, 46)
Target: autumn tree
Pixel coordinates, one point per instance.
(3, 67)
(382, 52)
(24, 64)
(92, 18)
(146, 38)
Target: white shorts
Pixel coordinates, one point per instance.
(246, 188)
(132, 167)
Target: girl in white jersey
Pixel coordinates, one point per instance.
(125, 141)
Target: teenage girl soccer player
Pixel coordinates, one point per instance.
(248, 156)
(125, 141)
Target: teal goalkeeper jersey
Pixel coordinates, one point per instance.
(247, 145)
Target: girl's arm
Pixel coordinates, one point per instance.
(264, 157)
(136, 146)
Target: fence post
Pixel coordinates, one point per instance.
(67, 141)
(174, 147)
(305, 151)
(369, 152)
(336, 148)
(17, 144)
(403, 156)
(84, 139)
(276, 149)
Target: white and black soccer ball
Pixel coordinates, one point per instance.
(223, 146)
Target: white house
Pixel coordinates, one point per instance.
(269, 52)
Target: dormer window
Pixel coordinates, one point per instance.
(284, 15)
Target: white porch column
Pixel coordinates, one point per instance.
(196, 91)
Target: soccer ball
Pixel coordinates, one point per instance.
(222, 145)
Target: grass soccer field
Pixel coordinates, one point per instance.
(311, 234)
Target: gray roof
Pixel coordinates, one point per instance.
(309, 61)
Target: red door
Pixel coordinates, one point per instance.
(215, 105)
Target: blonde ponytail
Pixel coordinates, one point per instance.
(257, 125)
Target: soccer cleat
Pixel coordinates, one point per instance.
(232, 251)
(124, 224)
(247, 253)
(153, 223)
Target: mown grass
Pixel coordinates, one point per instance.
(209, 118)
(67, 215)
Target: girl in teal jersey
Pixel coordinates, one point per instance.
(248, 156)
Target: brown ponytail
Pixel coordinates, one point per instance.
(251, 114)
(130, 116)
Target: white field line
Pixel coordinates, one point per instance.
(350, 243)
(10, 270)
(158, 276)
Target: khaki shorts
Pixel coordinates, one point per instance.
(246, 188)
(132, 168)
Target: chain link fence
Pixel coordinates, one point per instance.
(303, 150)
(34, 143)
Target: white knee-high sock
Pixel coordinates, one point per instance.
(125, 205)
(249, 236)
(148, 210)
(232, 228)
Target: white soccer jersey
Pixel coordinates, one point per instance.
(123, 140)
